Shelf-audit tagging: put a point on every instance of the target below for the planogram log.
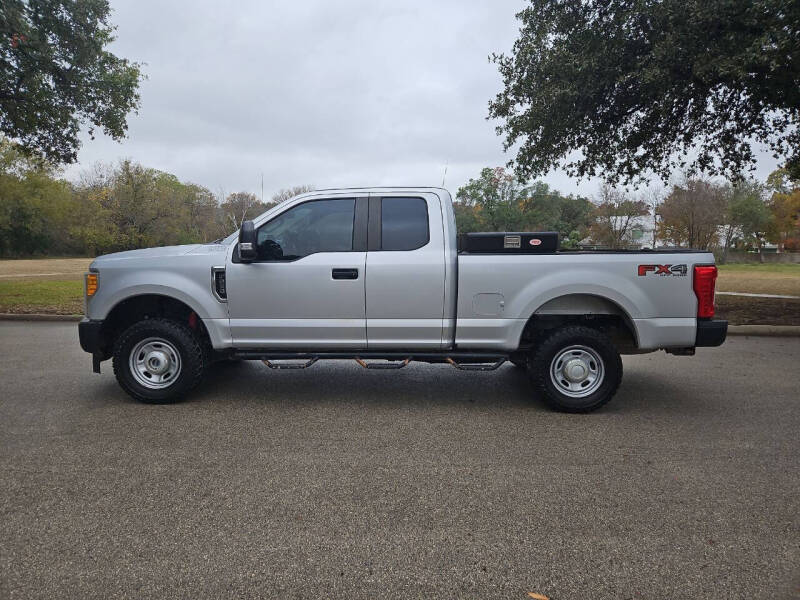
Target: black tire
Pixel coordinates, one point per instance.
(560, 340)
(193, 359)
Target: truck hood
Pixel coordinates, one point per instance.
(151, 254)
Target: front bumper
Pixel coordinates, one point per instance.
(711, 332)
(90, 334)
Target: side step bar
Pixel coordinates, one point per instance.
(465, 361)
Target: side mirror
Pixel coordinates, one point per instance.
(247, 242)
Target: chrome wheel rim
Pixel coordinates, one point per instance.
(577, 371)
(155, 363)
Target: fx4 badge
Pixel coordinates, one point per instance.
(663, 270)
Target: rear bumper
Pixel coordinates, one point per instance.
(711, 332)
(90, 335)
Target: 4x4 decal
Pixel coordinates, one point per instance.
(662, 270)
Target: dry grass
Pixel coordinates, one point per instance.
(760, 279)
(43, 269)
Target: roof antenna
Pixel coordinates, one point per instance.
(445, 173)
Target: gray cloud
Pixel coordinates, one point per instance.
(327, 93)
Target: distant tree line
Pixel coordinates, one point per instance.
(127, 206)
(696, 212)
(110, 208)
(747, 214)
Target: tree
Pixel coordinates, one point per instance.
(32, 204)
(498, 201)
(574, 220)
(751, 214)
(614, 88)
(692, 213)
(237, 207)
(615, 217)
(496, 197)
(467, 218)
(56, 75)
(785, 207)
(289, 193)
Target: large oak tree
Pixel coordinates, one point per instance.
(56, 75)
(613, 88)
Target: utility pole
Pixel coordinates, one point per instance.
(262, 188)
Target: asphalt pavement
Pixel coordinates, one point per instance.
(336, 482)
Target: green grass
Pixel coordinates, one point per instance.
(53, 297)
(788, 269)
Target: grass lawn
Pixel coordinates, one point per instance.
(759, 279)
(44, 268)
(50, 296)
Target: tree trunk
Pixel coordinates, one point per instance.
(726, 244)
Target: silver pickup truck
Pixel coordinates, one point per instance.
(376, 275)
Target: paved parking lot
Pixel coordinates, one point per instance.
(427, 482)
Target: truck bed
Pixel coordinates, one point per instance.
(651, 290)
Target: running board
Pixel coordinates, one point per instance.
(304, 365)
(465, 361)
(476, 367)
(384, 365)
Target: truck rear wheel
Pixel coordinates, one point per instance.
(576, 369)
(158, 360)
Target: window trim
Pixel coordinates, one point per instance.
(360, 215)
(375, 231)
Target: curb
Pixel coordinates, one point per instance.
(760, 330)
(765, 330)
(38, 317)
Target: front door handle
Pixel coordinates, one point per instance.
(344, 273)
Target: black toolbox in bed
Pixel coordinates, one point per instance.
(505, 242)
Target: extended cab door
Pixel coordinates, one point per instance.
(405, 272)
(306, 289)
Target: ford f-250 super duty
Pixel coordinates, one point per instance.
(376, 275)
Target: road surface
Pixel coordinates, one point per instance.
(425, 482)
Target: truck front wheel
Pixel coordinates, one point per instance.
(576, 369)
(158, 360)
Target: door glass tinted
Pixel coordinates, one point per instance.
(316, 226)
(404, 223)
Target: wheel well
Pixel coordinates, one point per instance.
(147, 306)
(582, 309)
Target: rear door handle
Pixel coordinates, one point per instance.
(344, 273)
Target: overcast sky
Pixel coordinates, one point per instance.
(316, 92)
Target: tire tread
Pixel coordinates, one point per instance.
(194, 363)
(539, 370)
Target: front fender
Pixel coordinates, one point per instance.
(196, 296)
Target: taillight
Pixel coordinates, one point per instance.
(705, 278)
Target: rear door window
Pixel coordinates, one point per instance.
(404, 223)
